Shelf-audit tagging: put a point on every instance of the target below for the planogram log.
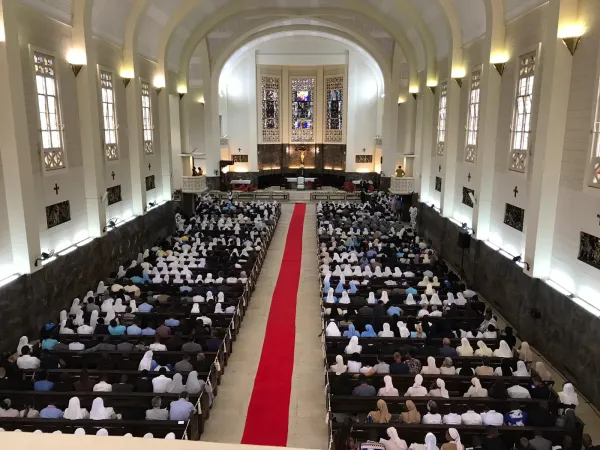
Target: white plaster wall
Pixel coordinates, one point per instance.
(578, 204)
(5, 244)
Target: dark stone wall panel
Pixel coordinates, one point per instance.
(565, 334)
(34, 299)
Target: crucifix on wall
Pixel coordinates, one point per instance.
(302, 151)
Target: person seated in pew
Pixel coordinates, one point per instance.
(446, 350)
(380, 368)
(103, 385)
(540, 416)
(104, 345)
(163, 331)
(432, 417)
(394, 442)
(381, 415)
(181, 409)
(355, 364)
(191, 346)
(43, 384)
(465, 369)
(485, 370)
(464, 349)
(364, 389)
(157, 413)
(470, 417)
(504, 369)
(214, 342)
(48, 361)
(100, 412)
(492, 440)
(64, 384)
(125, 346)
(51, 412)
(123, 385)
(475, 390)
(452, 418)
(438, 389)
(522, 370)
(414, 365)
(143, 383)
(490, 333)
(515, 417)
(542, 372)
(430, 443)
(517, 391)
(429, 349)
(116, 329)
(539, 389)
(430, 368)
(388, 390)
(26, 361)
(74, 411)
(6, 410)
(184, 365)
(158, 346)
(417, 390)
(134, 329)
(145, 307)
(161, 382)
(452, 440)
(498, 390)
(447, 367)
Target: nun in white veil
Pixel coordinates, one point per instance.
(193, 385)
(146, 362)
(503, 350)
(339, 367)
(332, 330)
(176, 385)
(24, 341)
(353, 346)
(74, 307)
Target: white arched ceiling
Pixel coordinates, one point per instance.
(131, 33)
(237, 47)
(109, 18)
(458, 69)
(471, 16)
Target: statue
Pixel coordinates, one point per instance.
(399, 172)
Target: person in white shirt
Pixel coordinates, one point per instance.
(354, 363)
(432, 417)
(516, 391)
(157, 346)
(103, 385)
(471, 418)
(26, 361)
(416, 390)
(493, 418)
(452, 418)
(476, 390)
(161, 383)
(76, 346)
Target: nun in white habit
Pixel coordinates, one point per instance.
(388, 390)
(371, 300)
(404, 331)
(146, 362)
(345, 300)
(74, 411)
(332, 330)
(503, 350)
(476, 390)
(193, 385)
(24, 341)
(387, 331)
(339, 367)
(410, 300)
(100, 412)
(176, 385)
(74, 307)
(416, 390)
(353, 346)
(464, 349)
(568, 396)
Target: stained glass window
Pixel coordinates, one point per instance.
(270, 108)
(473, 118)
(521, 127)
(442, 118)
(303, 90)
(49, 111)
(109, 116)
(334, 87)
(147, 119)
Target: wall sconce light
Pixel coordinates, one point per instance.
(571, 35)
(159, 83)
(158, 90)
(181, 90)
(401, 100)
(77, 59)
(432, 89)
(500, 67)
(499, 61)
(459, 81)
(459, 75)
(317, 150)
(432, 84)
(127, 75)
(414, 94)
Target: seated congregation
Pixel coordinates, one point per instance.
(143, 354)
(414, 358)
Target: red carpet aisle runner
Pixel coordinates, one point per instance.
(268, 412)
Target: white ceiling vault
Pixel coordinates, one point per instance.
(422, 24)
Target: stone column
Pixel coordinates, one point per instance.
(136, 145)
(21, 202)
(542, 192)
(423, 138)
(164, 123)
(390, 153)
(90, 123)
(212, 136)
(450, 145)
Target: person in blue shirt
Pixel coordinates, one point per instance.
(145, 307)
(411, 290)
(44, 384)
(516, 417)
(136, 279)
(148, 331)
(49, 343)
(115, 329)
(172, 322)
(185, 287)
(51, 412)
(393, 310)
(134, 330)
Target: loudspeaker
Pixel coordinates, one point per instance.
(464, 239)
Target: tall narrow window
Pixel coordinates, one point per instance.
(49, 111)
(109, 114)
(521, 127)
(303, 90)
(270, 108)
(473, 119)
(334, 87)
(442, 119)
(147, 119)
(595, 172)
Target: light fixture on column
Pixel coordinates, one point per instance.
(182, 90)
(499, 61)
(414, 90)
(127, 75)
(458, 75)
(571, 35)
(77, 59)
(159, 83)
(432, 84)
(401, 99)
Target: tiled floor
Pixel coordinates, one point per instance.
(307, 428)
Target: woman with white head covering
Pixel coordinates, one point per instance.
(503, 350)
(388, 390)
(107, 305)
(394, 442)
(78, 320)
(148, 436)
(568, 396)
(121, 272)
(193, 385)
(464, 349)
(74, 307)
(353, 346)
(404, 331)
(543, 373)
(101, 289)
(387, 272)
(384, 297)
(410, 300)
(435, 282)
(170, 436)
(430, 443)
(119, 307)
(210, 297)
(483, 349)
(429, 290)
(219, 309)
(23, 341)
(176, 385)
(89, 296)
(146, 362)
(74, 411)
(110, 315)
(397, 273)
(100, 412)
(332, 330)
(440, 390)
(195, 308)
(454, 440)
(64, 329)
(430, 368)
(339, 367)
(476, 390)
(387, 331)
(525, 353)
(450, 300)
(424, 282)
(416, 390)
(79, 432)
(424, 301)
(221, 297)
(460, 299)
(521, 370)
(435, 300)
(330, 297)
(345, 300)
(371, 300)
